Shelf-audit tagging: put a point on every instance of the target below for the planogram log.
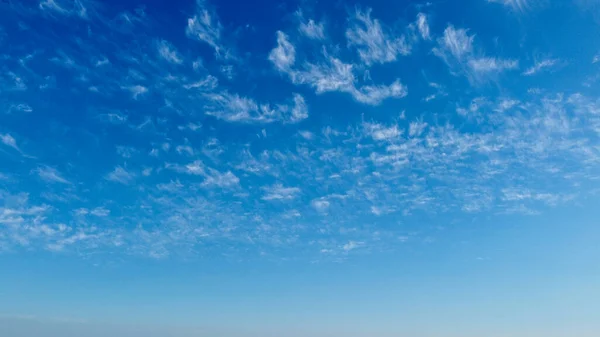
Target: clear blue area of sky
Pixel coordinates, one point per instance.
(299, 168)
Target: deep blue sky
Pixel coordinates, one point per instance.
(299, 168)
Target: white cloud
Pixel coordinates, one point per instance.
(381, 132)
(168, 52)
(196, 168)
(492, 65)
(12, 81)
(456, 43)
(372, 41)
(100, 212)
(9, 141)
(228, 71)
(299, 110)
(375, 94)
(185, 149)
(207, 84)
(306, 134)
(320, 205)
(517, 5)
(64, 7)
(205, 26)
(234, 108)
(351, 245)
(416, 128)
(21, 108)
(217, 194)
(506, 104)
(214, 178)
(136, 90)
(50, 174)
(279, 192)
(311, 29)
(456, 49)
(284, 55)
(120, 175)
(146, 172)
(540, 66)
(596, 59)
(423, 26)
(329, 75)
(335, 75)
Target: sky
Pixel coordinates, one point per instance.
(299, 168)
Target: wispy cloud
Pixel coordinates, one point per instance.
(100, 211)
(214, 178)
(120, 175)
(423, 26)
(491, 64)
(50, 174)
(9, 141)
(205, 26)
(382, 132)
(284, 55)
(136, 90)
(542, 65)
(455, 43)
(279, 192)
(517, 5)
(320, 205)
(351, 245)
(168, 52)
(456, 49)
(310, 28)
(372, 41)
(65, 7)
(332, 74)
(289, 150)
(234, 108)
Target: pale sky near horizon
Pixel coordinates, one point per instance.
(299, 168)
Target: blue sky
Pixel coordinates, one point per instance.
(299, 168)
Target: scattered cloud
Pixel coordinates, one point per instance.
(516, 5)
(279, 192)
(205, 26)
(372, 41)
(381, 132)
(168, 52)
(100, 211)
(334, 75)
(214, 178)
(456, 49)
(285, 151)
(455, 43)
(120, 175)
(284, 55)
(51, 175)
(351, 245)
(541, 66)
(423, 26)
(136, 90)
(234, 108)
(9, 141)
(65, 7)
(490, 64)
(19, 108)
(320, 205)
(310, 28)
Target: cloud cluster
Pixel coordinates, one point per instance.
(147, 145)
